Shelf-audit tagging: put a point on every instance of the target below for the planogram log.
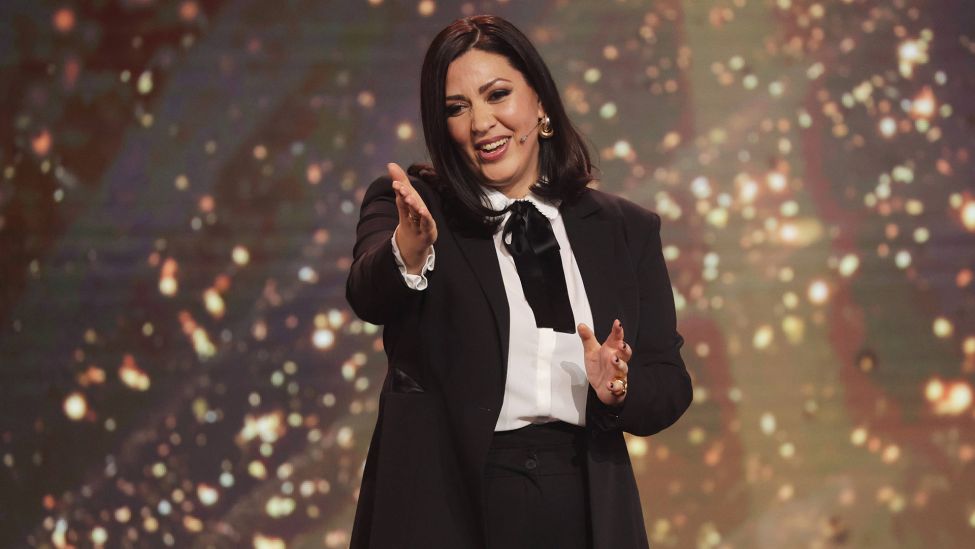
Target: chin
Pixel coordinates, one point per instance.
(497, 176)
(494, 180)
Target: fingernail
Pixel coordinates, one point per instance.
(616, 359)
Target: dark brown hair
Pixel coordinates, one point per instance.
(563, 162)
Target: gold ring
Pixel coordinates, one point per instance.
(624, 384)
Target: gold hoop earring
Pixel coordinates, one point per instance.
(545, 130)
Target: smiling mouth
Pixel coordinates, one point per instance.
(494, 149)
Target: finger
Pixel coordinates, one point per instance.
(616, 334)
(401, 182)
(626, 352)
(416, 217)
(427, 223)
(397, 174)
(416, 204)
(409, 198)
(616, 387)
(400, 199)
(419, 211)
(422, 216)
(619, 363)
(589, 342)
(403, 209)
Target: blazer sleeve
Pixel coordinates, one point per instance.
(375, 289)
(658, 386)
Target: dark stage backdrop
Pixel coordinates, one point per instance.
(180, 183)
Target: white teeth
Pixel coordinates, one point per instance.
(491, 146)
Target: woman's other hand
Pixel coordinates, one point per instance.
(606, 364)
(417, 230)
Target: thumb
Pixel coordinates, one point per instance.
(588, 338)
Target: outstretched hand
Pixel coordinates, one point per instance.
(606, 364)
(417, 230)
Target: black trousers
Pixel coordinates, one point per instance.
(536, 489)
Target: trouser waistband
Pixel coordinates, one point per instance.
(555, 448)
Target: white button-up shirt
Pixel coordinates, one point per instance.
(546, 378)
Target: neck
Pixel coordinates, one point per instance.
(516, 191)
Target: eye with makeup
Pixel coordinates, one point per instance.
(454, 109)
(493, 96)
(498, 94)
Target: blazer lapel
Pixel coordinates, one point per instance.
(593, 244)
(483, 260)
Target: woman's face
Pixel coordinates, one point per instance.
(490, 107)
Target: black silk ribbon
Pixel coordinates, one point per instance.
(539, 263)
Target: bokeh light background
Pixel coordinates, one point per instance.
(179, 190)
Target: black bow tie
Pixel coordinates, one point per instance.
(539, 264)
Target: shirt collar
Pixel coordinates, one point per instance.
(498, 201)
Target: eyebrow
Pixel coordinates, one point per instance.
(481, 89)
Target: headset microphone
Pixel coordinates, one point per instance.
(524, 138)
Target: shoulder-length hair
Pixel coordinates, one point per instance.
(563, 163)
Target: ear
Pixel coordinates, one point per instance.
(541, 110)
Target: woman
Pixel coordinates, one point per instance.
(502, 415)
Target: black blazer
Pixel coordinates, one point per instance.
(448, 346)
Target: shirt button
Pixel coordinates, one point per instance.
(531, 463)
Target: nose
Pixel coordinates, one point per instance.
(482, 119)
